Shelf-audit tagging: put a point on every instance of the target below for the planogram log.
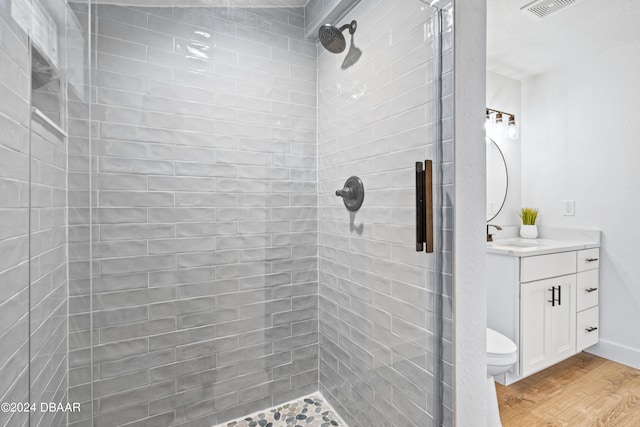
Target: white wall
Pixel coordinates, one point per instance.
(470, 267)
(581, 141)
(504, 94)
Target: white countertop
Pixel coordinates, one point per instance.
(519, 247)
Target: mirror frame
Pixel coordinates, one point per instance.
(506, 171)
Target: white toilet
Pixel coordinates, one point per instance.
(502, 354)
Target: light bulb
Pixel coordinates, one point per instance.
(512, 130)
(488, 123)
(498, 127)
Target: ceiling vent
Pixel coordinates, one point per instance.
(544, 8)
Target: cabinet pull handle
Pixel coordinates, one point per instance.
(553, 296)
(591, 328)
(592, 259)
(559, 295)
(589, 290)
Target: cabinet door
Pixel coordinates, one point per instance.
(547, 321)
(563, 319)
(535, 322)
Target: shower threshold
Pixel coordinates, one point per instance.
(309, 411)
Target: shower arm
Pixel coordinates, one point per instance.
(351, 26)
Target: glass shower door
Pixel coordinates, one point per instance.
(385, 354)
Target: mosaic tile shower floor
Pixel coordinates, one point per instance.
(310, 411)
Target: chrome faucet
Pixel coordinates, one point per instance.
(490, 236)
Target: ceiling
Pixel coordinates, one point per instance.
(209, 3)
(520, 45)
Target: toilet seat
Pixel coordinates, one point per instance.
(500, 349)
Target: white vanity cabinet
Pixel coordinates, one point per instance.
(547, 304)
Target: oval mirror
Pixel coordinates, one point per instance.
(497, 179)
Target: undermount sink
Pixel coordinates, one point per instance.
(516, 245)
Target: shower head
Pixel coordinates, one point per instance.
(332, 39)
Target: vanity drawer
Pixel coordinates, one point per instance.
(545, 266)
(587, 289)
(587, 332)
(588, 259)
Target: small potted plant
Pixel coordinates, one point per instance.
(528, 229)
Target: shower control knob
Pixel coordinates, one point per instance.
(345, 192)
(352, 193)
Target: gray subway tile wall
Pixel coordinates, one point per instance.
(34, 270)
(204, 217)
(48, 278)
(378, 302)
(14, 213)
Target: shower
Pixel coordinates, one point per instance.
(189, 263)
(332, 38)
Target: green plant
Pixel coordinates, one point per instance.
(528, 215)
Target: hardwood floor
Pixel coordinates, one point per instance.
(584, 390)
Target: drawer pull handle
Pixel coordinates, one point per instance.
(591, 328)
(589, 290)
(592, 259)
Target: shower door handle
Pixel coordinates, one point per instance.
(424, 206)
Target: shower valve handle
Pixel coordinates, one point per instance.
(352, 193)
(345, 193)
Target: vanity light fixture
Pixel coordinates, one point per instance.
(495, 118)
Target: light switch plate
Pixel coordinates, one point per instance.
(569, 207)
